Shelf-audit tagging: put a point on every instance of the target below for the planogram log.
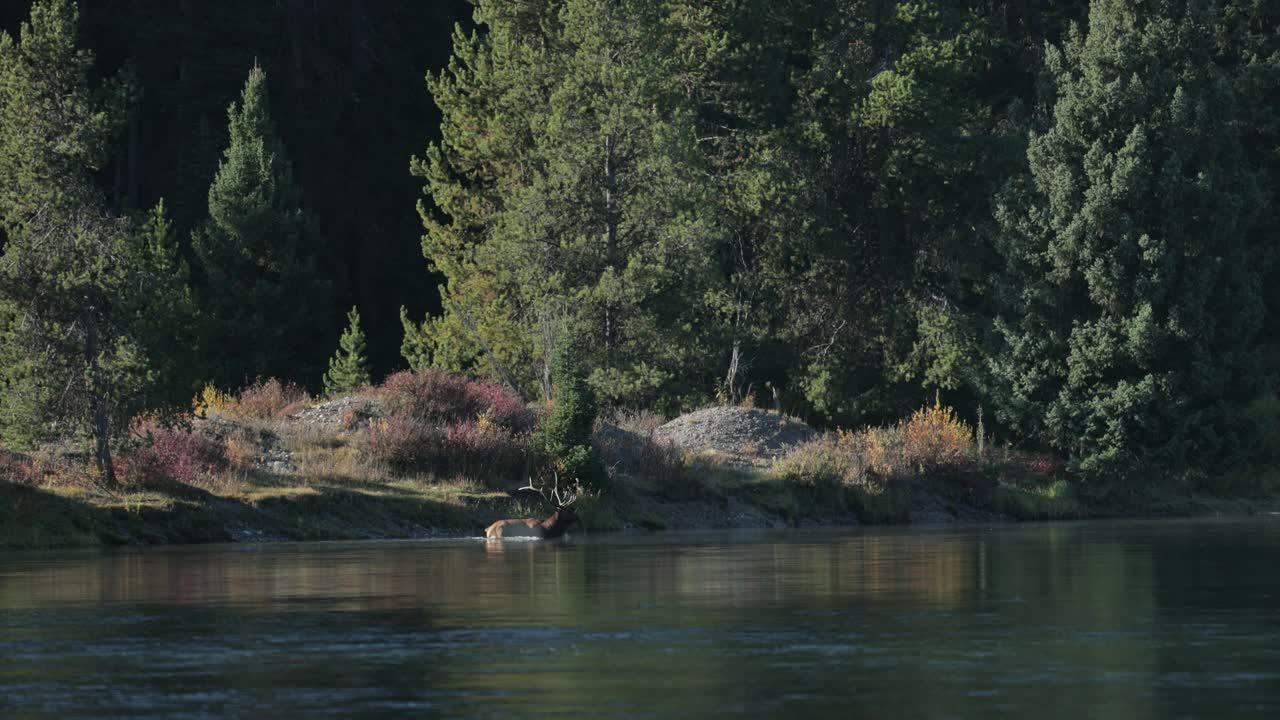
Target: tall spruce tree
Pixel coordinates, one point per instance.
(259, 286)
(76, 284)
(1131, 297)
(567, 185)
(349, 368)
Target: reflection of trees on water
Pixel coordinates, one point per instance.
(495, 575)
(1068, 612)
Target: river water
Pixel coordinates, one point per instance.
(1127, 620)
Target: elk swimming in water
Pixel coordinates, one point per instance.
(553, 527)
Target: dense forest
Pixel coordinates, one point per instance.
(1061, 213)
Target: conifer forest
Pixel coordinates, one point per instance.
(1060, 219)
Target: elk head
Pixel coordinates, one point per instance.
(559, 522)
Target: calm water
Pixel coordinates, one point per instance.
(1088, 620)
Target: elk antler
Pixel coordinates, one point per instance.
(555, 498)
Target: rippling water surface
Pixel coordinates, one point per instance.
(1087, 620)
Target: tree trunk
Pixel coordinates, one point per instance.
(132, 188)
(611, 237)
(731, 377)
(98, 396)
(548, 350)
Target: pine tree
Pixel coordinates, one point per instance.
(564, 185)
(259, 285)
(349, 368)
(1131, 297)
(565, 436)
(79, 288)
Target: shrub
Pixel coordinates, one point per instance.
(241, 452)
(439, 397)
(661, 461)
(177, 454)
(210, 399)
(482, 451)
(18, 469)
(821, 462)
(933, 438)
(881, 450)
(474, 449)
(266, 399)
(831, 470)
(640, 422)
(403, 443)
(430, 395)
(500, 406)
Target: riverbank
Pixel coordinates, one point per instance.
(270, 465)
(266, 508)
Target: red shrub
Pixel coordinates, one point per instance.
(472, 449)
(501, 406)
(266, 399)
(1043, 465)
(403, 442)
(438, 397)
(18, 469)
(430, 395)
(482, 452)
(177, 454)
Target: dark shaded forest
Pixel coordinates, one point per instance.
(348, 78)
(1060, 213)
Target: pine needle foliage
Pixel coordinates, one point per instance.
(565, 437)
(260, 286)
(1132, 297)
(349, 367)
(84, 294)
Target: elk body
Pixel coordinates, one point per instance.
(553, 527)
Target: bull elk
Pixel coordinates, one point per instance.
(553, 527)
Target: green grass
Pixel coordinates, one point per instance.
(1055, 500)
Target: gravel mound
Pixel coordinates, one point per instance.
(271, 453)
(337, 414)
(746, 433)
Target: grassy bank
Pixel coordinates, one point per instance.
(427, 454)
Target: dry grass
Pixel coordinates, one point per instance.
(869, 468)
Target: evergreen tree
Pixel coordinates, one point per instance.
(1131, 298)
(415, 347)
(566, 182)
(349, 368)
(259, 284)
(861, 199)
(80, 290)
(162, 314)
(1250, 42)
(565, 436)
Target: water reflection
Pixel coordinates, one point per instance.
(1100, 620)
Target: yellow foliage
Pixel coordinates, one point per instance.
(934, 437)
(241, 452)
(879, 448)
(931, 439)
(210, 398)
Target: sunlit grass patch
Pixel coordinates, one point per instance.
(1056, 500)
